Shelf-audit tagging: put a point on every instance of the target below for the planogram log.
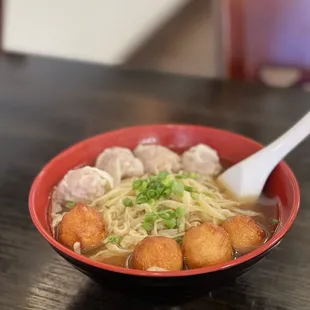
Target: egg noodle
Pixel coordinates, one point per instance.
(164, 205)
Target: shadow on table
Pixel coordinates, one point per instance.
(93, 297)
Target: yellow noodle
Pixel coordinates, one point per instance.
(206, 204)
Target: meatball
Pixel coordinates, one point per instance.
(120, 163)
(206, 245)
(201, 159)
(245, 234)
(157, 158)
(161, 252)
(84, 225)
(83, 185)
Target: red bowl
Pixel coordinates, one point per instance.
(230, 146)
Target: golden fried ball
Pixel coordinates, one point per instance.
(244, 232)
(206, 245)
(82, 224)
(157, 251)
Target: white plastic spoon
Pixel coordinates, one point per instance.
(246, 179)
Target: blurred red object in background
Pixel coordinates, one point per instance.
(265, 32)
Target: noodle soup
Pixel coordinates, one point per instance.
(153, 209)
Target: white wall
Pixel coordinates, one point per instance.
(101, 31)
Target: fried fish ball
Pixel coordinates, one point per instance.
(206, 245)
(245, 234)
(82, 224)
(158, 251)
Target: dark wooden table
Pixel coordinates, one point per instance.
(46, 105)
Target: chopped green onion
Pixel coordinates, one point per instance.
(179, 241)
(70, 204)
(188, 175)
(162, 174)
(274, 221)
(180, 176)
(141, 198)
(156, 187)
(167, 214)
(188, 188)
(195, 196)
(114, 239)
(170, 224)
(152, 185)
(152, 194)
(127, 202)
(193, 175)
(166, 182)
(177, 187)
(166, 193)
(136, 184)
(151, 202)
(209, 194)
(148, 226)
(144, 185)
(160, 187)
(152, 178)
(179, 211)
(149, 220)
(150, 217)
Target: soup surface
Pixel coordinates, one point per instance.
(156, 209)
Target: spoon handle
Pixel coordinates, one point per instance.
(277, 150)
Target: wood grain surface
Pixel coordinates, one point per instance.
(46, 105)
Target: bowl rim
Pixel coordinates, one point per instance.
(273, 241)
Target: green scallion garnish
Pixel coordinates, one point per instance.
(188, 175)
(70, 204)
(195, 196)
(136, 184)
(167, 214)
(274, 221)
(150, 217)
(156, 187)
(115, 239)
(152, 194)
(162, 175)
(166, 193)
(188, 188)
(127, 202)
(179, 241)
(148, 226)
(193, 175)
(177, 187)
(166, 182)
(170, 224)
(179, 211)
(141, 198)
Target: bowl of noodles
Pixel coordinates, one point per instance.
(139, 209)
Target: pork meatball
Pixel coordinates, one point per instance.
(157, 253)
(206, 245)
(245, 234)
(82, 225)
(157, 158)
(83, 185)
(201, 159)
(120, 163)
